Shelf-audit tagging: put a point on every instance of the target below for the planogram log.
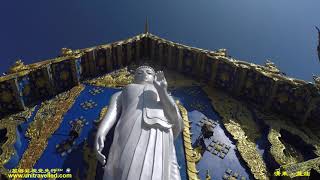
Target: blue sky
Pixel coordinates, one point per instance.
(251, 30)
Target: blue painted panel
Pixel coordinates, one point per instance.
(22, 142)
(63, 75)
(198, 106)
(8, 98)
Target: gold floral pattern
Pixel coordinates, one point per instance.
(191, 156)
(46, 122)
(11, 123)
(239, 123)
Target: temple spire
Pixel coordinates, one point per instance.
(146, 26)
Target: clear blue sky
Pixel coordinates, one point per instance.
(251, 30)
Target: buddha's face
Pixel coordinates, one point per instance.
(144, 75)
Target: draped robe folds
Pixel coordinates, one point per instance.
(143, 146)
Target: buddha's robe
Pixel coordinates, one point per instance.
(143, 146)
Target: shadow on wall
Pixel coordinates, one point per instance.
(3, 138)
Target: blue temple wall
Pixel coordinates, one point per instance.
(75, 159)
(22, 141)
(199, 106)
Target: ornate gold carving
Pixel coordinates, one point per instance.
(118, 78)
(282, 123)
(11, 123)
(66, 51)
(191, 156)
(270, 66)
(103, 112)
(47, 121)
(18, 67)
(277, 147)
(239, 123)
(317, 81)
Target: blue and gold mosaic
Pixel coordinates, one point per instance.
(64, 75)
(9, 98)
(88, 104)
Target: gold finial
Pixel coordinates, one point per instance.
(66, 51)
(146, 26)
(18, 66)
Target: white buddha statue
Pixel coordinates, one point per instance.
(147, 121)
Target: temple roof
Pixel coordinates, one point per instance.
(263, 85)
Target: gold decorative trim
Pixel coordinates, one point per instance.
(283, 123)
(277, 148)
(46, 122)
(191, 155)
(103, 112)
(235, 116)
(11, 123)
(118, 78)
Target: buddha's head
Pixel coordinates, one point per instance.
(144, 74)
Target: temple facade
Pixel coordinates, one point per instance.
(282, 103)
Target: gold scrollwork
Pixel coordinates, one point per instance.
(192, 156)
(277, 148)
(118, 78)
(239, 123)
(11, 123)
(46, 122)
(283, 123)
